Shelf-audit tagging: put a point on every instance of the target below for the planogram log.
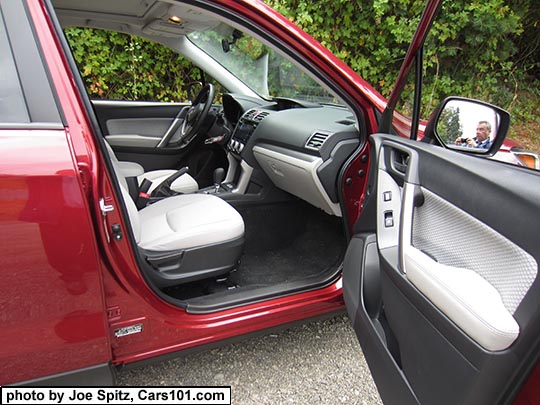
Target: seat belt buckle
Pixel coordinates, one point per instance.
(143, 196)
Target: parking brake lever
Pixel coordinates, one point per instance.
(164, 189)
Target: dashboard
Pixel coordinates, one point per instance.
(300, 146)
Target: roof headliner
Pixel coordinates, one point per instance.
(141, 17)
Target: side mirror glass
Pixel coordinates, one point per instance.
(470, 126)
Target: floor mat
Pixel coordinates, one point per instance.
(288, 242)
(285, 242)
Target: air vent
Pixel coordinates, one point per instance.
(255, 115)
(316, 141)
(260, 116)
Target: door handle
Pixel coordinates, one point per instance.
(175, 124)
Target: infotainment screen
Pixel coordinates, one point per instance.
(244, 130)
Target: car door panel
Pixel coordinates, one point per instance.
(135, 117)
(443, 294)
(135, 129)
(151, 127)
(363, 296)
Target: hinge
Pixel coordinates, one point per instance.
(85, 176)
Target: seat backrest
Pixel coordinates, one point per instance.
(130, 205)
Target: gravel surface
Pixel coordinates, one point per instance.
(317, 363)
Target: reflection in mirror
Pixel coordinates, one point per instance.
(466, 124)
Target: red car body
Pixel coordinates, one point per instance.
(50, 194)
(65, 289)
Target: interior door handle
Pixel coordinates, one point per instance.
(175, 124)
(401, 162)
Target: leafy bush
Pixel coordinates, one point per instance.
(124, 67)
(470, 51)
(487, 50)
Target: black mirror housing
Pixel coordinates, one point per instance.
(467, 125)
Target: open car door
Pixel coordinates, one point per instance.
(441, 274)
(443, 293)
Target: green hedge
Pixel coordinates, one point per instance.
(482, 49)
(471, 50)
(122, 67)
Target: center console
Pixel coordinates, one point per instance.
(244, 129)
(239, 173)
(236, 181)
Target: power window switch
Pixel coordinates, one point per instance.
(388, 219)
(387, 196)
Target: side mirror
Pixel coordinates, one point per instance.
(469, 126)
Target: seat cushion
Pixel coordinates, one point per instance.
(188, 221)
(184, 184)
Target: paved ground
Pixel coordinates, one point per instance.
(317, 363)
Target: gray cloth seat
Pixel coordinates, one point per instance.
(185, 237)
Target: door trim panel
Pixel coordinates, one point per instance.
(112, 111)
(152, 127)
(437, 360)
(390, 381)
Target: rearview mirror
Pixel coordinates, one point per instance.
(469, 126)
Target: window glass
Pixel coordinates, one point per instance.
(404, 108)
(12, 104)
(263, 70)
(117, 66)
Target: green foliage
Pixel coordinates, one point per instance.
(124, 67)
(488, 50)
(449, 126)
(468, 52)
(473, 49)
(371, 37)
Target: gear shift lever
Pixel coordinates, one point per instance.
(219, 175)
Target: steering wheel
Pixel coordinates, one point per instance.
(197, 113)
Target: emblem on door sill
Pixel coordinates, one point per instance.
(129, 330)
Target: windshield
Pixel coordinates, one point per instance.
(260, 68)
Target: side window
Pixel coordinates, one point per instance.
(117, 66)
(12, 104)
